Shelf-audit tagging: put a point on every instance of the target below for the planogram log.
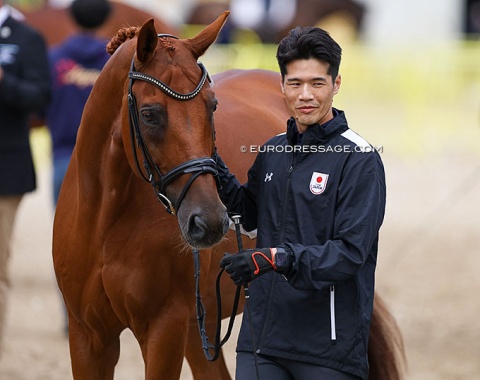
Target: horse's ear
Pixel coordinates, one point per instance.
(147, 41)
(202, 41)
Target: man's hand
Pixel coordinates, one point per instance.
(247, 265)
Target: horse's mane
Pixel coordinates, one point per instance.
(128, 33)
(122, 35)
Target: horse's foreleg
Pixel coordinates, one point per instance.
(162, 342)
(202, 369)
(93, 354)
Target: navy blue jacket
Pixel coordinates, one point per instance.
(75, 65)
(24, 91)
(323, 201)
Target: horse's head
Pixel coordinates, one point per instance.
(168, 130)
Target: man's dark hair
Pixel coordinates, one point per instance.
(309, 42)
(90, 14)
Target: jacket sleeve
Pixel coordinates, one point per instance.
(239, 199)
(29, 92)
(360, 208)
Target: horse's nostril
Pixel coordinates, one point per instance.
(204, 230)
(197, 227)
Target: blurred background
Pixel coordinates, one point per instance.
(410, 85)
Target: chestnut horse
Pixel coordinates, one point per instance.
(120, 260)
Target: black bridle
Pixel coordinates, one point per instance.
(196, 166)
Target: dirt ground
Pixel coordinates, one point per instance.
(428, 273)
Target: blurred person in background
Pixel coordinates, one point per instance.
(24, 90)
(75, 65)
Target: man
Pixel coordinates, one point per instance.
(316, 195)
(75, 65)
(24, 90)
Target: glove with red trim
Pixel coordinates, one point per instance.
(249, 264)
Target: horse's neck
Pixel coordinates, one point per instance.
(101, 155)
(107, 185)
(101, 119)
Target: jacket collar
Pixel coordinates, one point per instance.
(317, 133)
(6, 11)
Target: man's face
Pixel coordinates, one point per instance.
(309, 92)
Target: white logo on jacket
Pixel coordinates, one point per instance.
(268, 177)
(318, 183)
(8, 54)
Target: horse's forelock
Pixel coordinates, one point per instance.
(122, 35)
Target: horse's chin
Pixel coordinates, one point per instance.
(208, 241)
(199, 245)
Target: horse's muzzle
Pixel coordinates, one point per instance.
(203, 229)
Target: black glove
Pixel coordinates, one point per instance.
(247, 265)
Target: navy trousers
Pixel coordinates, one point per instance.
(271, 368)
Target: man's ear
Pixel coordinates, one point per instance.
(337, 84)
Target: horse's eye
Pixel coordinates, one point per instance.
(149, 116)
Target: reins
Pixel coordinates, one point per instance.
(206, 346)
(201, 313)
(246, 291)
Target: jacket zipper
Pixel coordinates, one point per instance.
(284, 208)
(333, 333)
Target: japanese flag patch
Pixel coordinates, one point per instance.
(318, 183)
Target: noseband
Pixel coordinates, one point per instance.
(195, 167)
